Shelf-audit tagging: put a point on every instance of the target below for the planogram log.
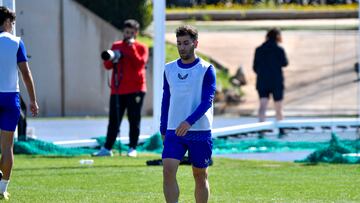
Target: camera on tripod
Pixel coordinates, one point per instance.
(112, 55)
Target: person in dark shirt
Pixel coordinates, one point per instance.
(269, 60)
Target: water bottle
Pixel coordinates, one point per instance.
(86, 161)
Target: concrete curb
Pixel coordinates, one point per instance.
(260, 15)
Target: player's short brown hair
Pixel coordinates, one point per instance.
(6, 13)
(187, 30)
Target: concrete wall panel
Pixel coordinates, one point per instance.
(37, 24)
(63, 35)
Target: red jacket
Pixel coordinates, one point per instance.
(131, 68)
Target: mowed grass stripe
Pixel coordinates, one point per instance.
(122, 179)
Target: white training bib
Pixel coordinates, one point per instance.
(185, 86)
(9, 78)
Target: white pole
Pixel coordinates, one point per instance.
(358, 61)
(11, 5)
(159, 59)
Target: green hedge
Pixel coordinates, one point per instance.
(117, 11)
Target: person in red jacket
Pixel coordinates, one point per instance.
(128, 87)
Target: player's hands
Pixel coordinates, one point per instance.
(34, 108)
(182, 129)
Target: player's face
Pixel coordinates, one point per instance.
(186, 47)
(129, 33)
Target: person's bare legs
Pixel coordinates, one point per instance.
(262, 109)
(170, 185)
(202, 188)
(279, 116)
(7, 155)
(278, 110)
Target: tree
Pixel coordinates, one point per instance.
(117, 11)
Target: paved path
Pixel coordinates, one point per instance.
(319, 79)
(270, 156)
(85, 128)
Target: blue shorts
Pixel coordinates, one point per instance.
(9, 110)
(199, 151)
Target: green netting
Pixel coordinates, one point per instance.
(228, 146)
(153, 144)
(336, 152)
(117, 145)
(224, 146)
(38, 147)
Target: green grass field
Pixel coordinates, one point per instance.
(123, 179)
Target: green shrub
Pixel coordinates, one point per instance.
(117, 11)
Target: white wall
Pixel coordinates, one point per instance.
(37, 23)
(85, 37)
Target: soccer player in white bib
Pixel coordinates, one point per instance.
(12, 56)
(187, 115)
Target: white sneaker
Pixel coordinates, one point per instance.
(132, 152)
(103, 152)
(4, 196)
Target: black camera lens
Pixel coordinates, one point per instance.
(105, 55)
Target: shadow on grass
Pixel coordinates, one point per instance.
(310, 164)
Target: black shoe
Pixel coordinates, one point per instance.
(1, 174)
(261, 135)
(282, 133)
(155, 162)
(186, 161)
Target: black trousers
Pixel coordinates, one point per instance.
(118, 104)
